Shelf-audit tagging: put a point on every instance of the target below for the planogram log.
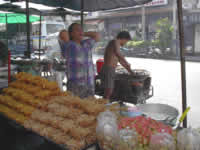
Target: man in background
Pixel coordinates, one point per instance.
(112, 57)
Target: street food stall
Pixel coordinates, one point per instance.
(69, 122)
(37, 105)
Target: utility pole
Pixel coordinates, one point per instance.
(174, 46)
(143, 23)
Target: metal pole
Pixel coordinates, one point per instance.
(143, 23)
(9, 55)
(7, 30)
(82, 13)
(175, 28)
(40, 34)
(182, 56)
(28, 29)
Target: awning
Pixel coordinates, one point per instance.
(91, 5)
(16, 18)
(51, 11)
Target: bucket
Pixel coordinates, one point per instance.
(99, 65)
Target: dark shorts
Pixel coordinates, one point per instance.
(107, 75)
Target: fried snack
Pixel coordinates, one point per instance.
(79, 133)
(9, 91)
(70, 101)
(45, 94)
(75, 113)
(23, 108)
(26, 99)
(55, 121)
(73, 144)
(18, 94)
(76, 102)
(34, 125)
(52, 85)
(47, 131)
(44, 117)
(55, 134)
(59, 110)
(27, 110)
(26, 87)
(33, 90)
(52, 107)
(22, 76)
(40, 82)
(92, 108)
(66, 125)
(11, 102)
(37, 81)
(37, 103)
(59, 137)
(86, 120)
(18, 117)
(90, 139)
(67, 93)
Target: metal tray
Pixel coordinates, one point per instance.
(160, 112)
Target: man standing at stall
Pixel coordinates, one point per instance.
(80, 68)
(112, 57)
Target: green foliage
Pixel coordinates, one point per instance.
(163, 34)
(138, 44)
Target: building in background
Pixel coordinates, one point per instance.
(141, 22)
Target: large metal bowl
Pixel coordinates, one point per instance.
(160, 112)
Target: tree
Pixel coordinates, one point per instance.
(164, 34)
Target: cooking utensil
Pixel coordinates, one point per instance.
(182, 118)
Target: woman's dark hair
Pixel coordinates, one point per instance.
(70, 30)
(124, 35)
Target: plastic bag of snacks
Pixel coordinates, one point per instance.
(188, 139)
(127, 140)
(162, 141)
(107, 130)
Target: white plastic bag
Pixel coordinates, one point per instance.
(107, 130)
(128, 140)
(188, 139)
(162, 141)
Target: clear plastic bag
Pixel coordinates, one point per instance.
(107, 130)
(188, 139)
(107, 116)
(128, 140)
(162, 141)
